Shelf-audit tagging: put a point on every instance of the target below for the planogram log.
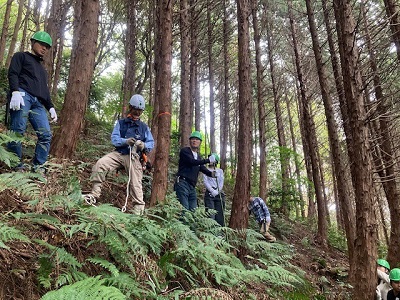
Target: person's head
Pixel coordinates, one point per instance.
(394, 277)
(195, 140)
(136, 106)
(216, 160)
(383, 265)
(251, 199)
(41, 42)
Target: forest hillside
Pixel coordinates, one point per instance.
(55, 246)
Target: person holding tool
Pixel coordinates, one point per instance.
(190, 164)
(214, 197)
(30, 98)
(132, 138)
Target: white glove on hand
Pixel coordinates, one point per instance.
(139, 145)
(53, 115)
(212, 159)
(16, 101)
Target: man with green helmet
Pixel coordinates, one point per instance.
(190, 164)
(383, 287)
(30, 98)
(394, 277)
(214, 197)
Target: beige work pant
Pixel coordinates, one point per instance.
(113, 161)
(264, 230)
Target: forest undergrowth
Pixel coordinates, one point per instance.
(55, 246)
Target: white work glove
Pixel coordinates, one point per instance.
(16, 101)
(139, 145)
(212, 159)
(53, 115)
(131, 141)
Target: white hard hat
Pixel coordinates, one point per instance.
(137, 101)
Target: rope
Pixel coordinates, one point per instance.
(123, 209)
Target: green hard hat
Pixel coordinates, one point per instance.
(383, 263)
(394, 274)
(42, 36)
(197, 135)
(216, 157)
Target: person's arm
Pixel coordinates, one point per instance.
(14, 70)
(187, 158)
(383, 276)
(208, 183)
(206, 171)
(149, 140)
(116, 138)
(220, 179)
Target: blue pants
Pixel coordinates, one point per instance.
(217, 203)
(35, 112)
(186, 194)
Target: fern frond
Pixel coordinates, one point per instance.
(60, 255)
(92, 288)
(105, 264)
(8, 233)
(23, 183)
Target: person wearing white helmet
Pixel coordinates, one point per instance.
(131, 137)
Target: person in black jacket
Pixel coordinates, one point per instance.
(30, 99)
(190, 164)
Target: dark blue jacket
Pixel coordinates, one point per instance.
(127, 128)
(189, 167)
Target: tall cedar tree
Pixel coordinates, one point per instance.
(361, 166)
(163, 97)
(86, 16)
(260, 104)
(384, 149)
(345, 195)
(310, 138)
(185, 115)
(239, 215)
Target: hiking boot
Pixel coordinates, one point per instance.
(269, 237)
(21, 168)
(39, 169)
(90, 199)
(138, 209)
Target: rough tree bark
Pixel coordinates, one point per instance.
(239, 215)
(185, 114)
(86, 14)
(163, 97)
(361, 166)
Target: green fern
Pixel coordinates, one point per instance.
(105, 264)
(92, 288)
(23, 183)
(8, 234)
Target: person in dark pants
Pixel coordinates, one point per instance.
(190, 164)
(214, 197)
(30, 99)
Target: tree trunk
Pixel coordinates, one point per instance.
(4, 30)
(225, 100)
(15, 33)
(185, 114)
(393, 14)
(384, 139)
(344, 192)
(163, 94)
(86, 14)
(128, 83)
(261, 107)
(239, 214)
(310, 138)
(361, 167)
